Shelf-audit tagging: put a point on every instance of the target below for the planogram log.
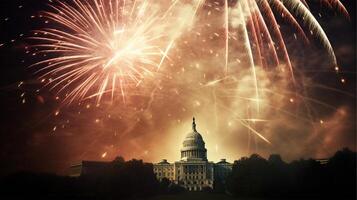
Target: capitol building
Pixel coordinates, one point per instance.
(194, 172)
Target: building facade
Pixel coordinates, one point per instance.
(194, 172)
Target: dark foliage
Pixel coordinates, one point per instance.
(121, 180)
(250, 177)
(258, 177)
(169, 187)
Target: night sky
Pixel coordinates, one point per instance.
(39, 133)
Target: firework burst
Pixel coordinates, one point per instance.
(100, 47)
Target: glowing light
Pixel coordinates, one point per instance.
(57, 113)
(103, 47)
(20, 84)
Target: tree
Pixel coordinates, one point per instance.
(341, 173)
(255, 176)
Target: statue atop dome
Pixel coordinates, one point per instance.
(194, 125)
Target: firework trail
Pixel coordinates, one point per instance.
(251, 59)
(300, 9)
(226, 19)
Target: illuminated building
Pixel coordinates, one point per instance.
(193, 171)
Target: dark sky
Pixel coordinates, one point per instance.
(26, 116)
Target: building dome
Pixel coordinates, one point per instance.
(193, 145)
(193, 141)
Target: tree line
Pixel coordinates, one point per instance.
(120, 179)
(251, 176)
(255, 176)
